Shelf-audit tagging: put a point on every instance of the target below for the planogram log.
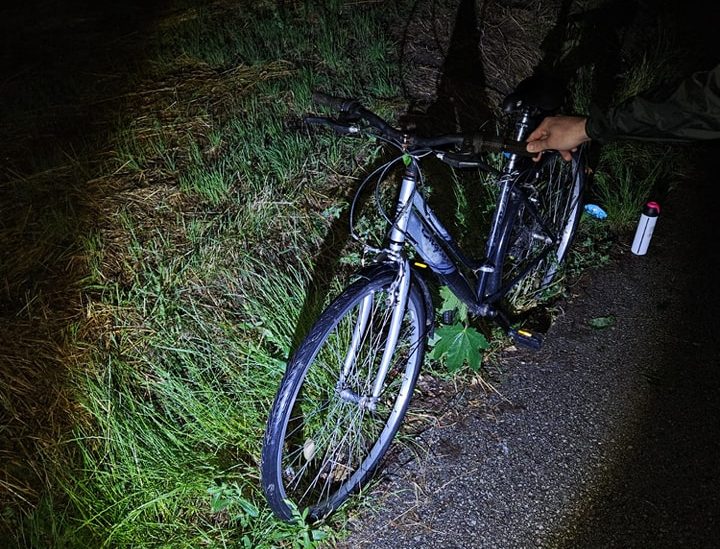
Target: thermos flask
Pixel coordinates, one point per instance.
(645, 228)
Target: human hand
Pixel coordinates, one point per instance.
(561, 133)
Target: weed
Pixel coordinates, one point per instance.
(627, 175)
(457, 343)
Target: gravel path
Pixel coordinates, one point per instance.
(604, 438)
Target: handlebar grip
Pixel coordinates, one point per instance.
(337, 103)
(352, 109)
(516, 147)
(482, 142)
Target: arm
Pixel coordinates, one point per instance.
(690, 111)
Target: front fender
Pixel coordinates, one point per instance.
(417, 278)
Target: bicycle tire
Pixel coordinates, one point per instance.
(321, 446)
(534, 251)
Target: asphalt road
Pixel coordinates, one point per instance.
(604, 438)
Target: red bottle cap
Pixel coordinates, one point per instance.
(652, 209)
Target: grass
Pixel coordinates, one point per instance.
(182, 414)
(630, 174)
(200, 216)
(164, 219)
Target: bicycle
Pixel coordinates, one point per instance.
(348, 385)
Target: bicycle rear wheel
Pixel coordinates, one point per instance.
(542, 218)
(325, 434)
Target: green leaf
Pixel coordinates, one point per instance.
(407, 159)
(318, 535)
(459, 345)
(219, 504)
(219, 500)
(602, 322)
(248, 507)
(450, 302)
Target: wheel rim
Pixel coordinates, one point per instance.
(555, 190)
(332, 437)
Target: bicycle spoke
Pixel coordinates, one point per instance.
(335, 424)
(545, 221)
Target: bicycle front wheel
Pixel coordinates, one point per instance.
(327, 432)
(542, 219)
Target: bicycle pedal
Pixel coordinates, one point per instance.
(448, 317)
(526, 338)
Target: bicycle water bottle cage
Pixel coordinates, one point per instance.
(535, 93)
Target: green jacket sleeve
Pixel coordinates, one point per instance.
(691, 111)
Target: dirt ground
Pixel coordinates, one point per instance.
(604, 437)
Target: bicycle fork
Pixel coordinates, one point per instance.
(397, 302)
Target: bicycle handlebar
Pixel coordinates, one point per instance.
(353, 111)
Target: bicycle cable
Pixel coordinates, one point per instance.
(381, 174)
(382, 170)
(378, 202)
(415, 157)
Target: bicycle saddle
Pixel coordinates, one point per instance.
(535, 92)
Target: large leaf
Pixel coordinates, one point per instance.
(450, 302)
(458, 344)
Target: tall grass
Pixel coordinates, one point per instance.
(629, 174)
(209, 202)
(178, 403)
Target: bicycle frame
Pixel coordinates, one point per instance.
(417, 224)
(415, 221)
